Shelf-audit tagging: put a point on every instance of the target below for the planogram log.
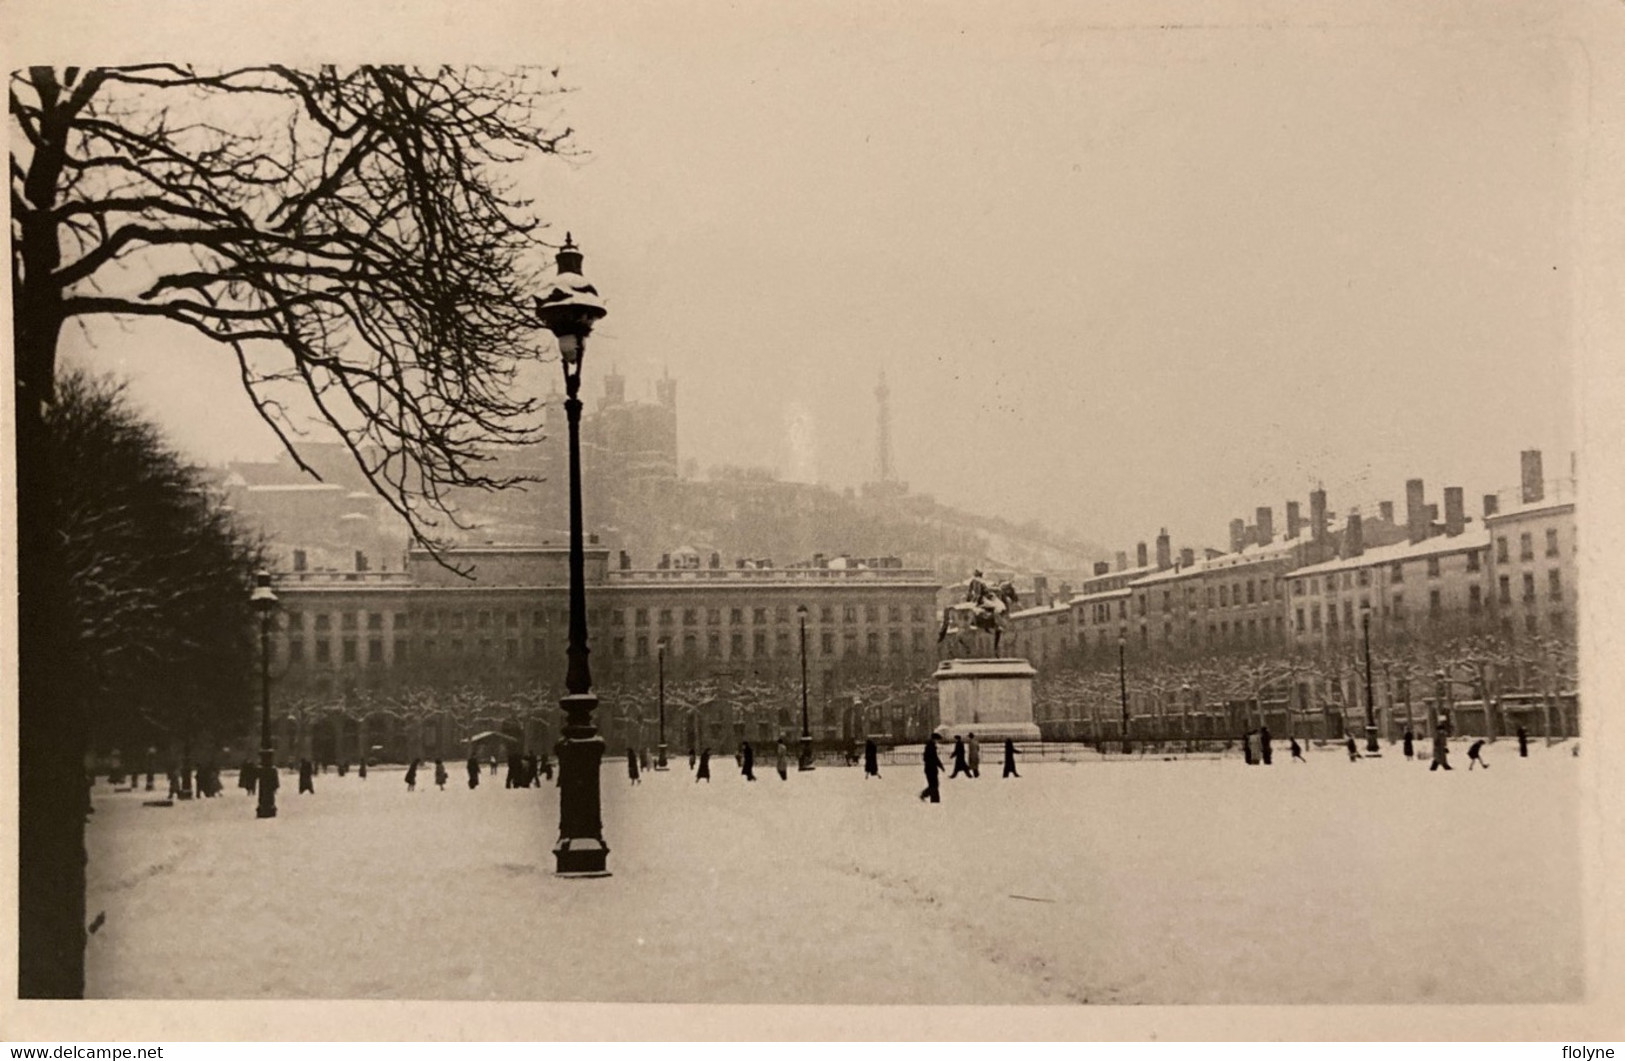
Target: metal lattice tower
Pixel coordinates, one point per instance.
(884, 433)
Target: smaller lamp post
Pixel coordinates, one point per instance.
(1371, 747)
(806, 762)
(1185, 692)
(263, 600)
(1122, 686)
(660, 669)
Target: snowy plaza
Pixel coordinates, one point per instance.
(1096, 880)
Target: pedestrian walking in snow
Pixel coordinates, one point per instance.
(1264, 745)
(1247, 747)
(493, 766)
(307, 777)
(1441, 750)
(747, 761)
(1297, 751)
(1353, 749)
(1475, 755)
(270, 779)
(245, 776)
(1410, 743)
(704, 772)
(546, 769)
(632, 766)
(473, 772)
(1010, 758)
(973, 755)
(781, 762)
(440, 774)
(1523, 744)
(933, 767)
(691, 757)
(960, 766)
(643, 758)
(871, 760)
(412, 776)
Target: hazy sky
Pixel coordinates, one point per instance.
(1118, 277)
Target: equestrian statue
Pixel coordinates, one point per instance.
(985, 610)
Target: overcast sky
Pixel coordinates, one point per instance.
(1118, 277)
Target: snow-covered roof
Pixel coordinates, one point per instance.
(1439, 545)
(1042, 609)
(1532, 508)
(1103, 595)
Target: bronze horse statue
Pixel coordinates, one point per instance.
(989, 615)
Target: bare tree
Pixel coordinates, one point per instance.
(349, 235)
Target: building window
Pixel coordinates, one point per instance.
(781, 642)
(736, 616)
(691, 645)
(296, 651)
(349, 650)
(1528, 586)
(640, 648)
(485, 648)
(849, 613)
(894, 642)
(759, 616)
(640, 617)
(1506, 589)
(375, 650)
(1526, 546)
(871, 613)
(428, 648)
(1554, 584)
(826, 614)
(1475, 600)
(1365, 577)
(1473, 561)
(1551, 541)
(296, 620)
(919, 640)
(617, 617)
(375, 621)
(1210, 596)
(456, 620)
(916, 612)
(691, 616)
(826, 643)
(347, 621)
(849, 644)
(485, 620)
(1529, 624)
(1122, 609)
(1501, 550)
(1556, 620)
(894, 613)
(324, 652)
(759, 643)
(736, 645)
(1224, 596)
(537, 618)
(713, 616)
(323, 622)
(1297, 587)
(665, 617)
(713, 644)
(873, 644)
(1435, 603)
(511, 620)
(1433, 567)
(1300, 621)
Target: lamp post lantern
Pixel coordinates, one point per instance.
(1371, 747)
(660, 666)
(806, 760)
(1122, 687)
(569, 308)
(263, 600)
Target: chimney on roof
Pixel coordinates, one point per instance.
(361, 561)
(1385, 509)
(626, 560)
(1317, 515)
(1433, 515)
(1265, 521)
(1122, 561)
(1492, 505)
(1294, 520)
(1041, 590)
(592, 539)
(1238, 535)
(1455, 511)
(1416, 511)
(299, 560)
(1534, 482)
(1165, 551)
(1187, 557)
(1141, 559)
(1066, 593)
(1354, 537)
(1103, 567)
(665, 561)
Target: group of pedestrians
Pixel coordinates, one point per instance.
(1256, 748)
(967, 759)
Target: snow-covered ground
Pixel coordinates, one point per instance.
(1109, 881)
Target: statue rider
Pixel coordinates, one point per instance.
(977, 591)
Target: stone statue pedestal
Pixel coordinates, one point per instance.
(992, 698)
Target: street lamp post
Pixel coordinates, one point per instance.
(806, 762)
(1371, 747)
(263, 600)
(568, 309)
(660, 666)
(1122, 686)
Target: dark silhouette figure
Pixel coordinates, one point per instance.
(516, 771)
(247, 778)
(1475, 755)
(1354, 749)
(493, 766)
(781, 762)
(1010, 754)
(704, 772)
(1247, 747)
(546, 768)
(691, 759)
(1523, 744)
(1264, 745)
(412, 776)
(747, 761)
(1410, 744)
(960, 765)
(473, 772)
(344, 767)
(1297, 751)
(307, 777)
(361, 770)
(871, 760)
(270, 778)
(973, 755)
(933, 767)
(643, 758)
(632, 766)
(1441, 750)
(440, 774)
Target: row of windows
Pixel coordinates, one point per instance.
(1526, 546)
(759, 616)
(322, 622)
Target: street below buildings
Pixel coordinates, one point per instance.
(1103, 881)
